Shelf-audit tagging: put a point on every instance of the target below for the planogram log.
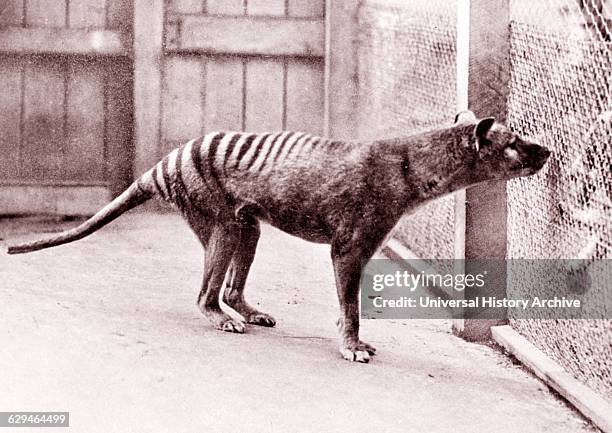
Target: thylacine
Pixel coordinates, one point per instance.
(348, 195)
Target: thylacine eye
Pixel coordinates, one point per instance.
(510, 152)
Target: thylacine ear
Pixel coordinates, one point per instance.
(465, 116)
(483, 127)
(481, 131)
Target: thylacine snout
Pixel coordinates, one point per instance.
(536, 155)
(525, 158)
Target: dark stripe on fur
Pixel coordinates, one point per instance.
(316, 142)
(230, 148)
(196, 157)
(212, 153)
(245, 147)
(271, 148)
(295, 144)
(300, 135)
(308, 142)
(157, 187)
(166, 176)
(182, 195)
(257, 150)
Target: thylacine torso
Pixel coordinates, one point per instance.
(305, 185)
(271, 177)
(349, 195)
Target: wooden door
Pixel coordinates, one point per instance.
(65, 104)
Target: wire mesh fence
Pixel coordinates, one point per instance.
(560, 94)
(407, 73)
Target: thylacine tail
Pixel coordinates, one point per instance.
(166, 172)
(133, 196)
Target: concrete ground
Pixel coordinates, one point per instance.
(107, 328)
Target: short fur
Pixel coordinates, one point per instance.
(349, 195)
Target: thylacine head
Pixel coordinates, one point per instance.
(471, 151)
(498, 153)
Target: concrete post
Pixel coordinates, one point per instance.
(482, 217)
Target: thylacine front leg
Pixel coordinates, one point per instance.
(239, 270)
(349, 257)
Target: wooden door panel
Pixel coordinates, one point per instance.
(45, 13)
(305, 96)
(11, 13)
(11, 76)
(225, 7)
(83, 157)
(87, 13)
(43, 141)
(264, 97)
(224, 90)
(306, 8)
(266, 7)
(182, 100)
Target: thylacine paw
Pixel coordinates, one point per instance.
(250, 314)
(355, 354)
(358, 352)
(232, 325)
(367, 347)
(352, 350)
(261, 319)
(224, 322)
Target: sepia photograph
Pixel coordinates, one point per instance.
(306, 216)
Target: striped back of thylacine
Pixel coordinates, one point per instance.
(221, 165)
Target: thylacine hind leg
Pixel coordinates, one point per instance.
(219, 242)
(221, 246)
(239, 270)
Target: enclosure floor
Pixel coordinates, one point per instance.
(107, 328)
